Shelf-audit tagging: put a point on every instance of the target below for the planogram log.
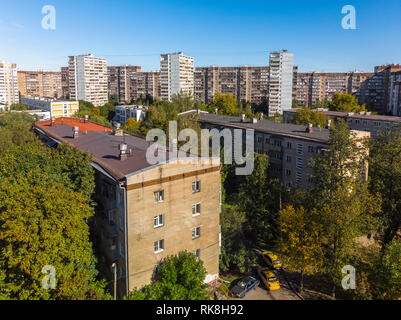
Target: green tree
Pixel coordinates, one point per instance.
(385, 178)
(178, 277)
(300, 240)
(236, 250)
(225, 103)
(259, 197)
(345, 102)
(306, 115)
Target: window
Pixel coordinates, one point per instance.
(122, 249)
(287, 172)
(298, 177)
(196, 209)
(196, 186)
(158, 221)
(289, 145)
(259, 139)
(288, 158)
(159, 196)
(195, 232)
(277, 142)
(111, 217)
(121, 221)
(300, 148)
(159, 246)
(299, 163)
(310, 149)
(196, 253)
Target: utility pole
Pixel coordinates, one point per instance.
(114, 267)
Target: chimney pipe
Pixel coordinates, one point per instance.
(123, 151)
(75, 132)
(328, 124)
(242, 117)
(261, 116)
(53, 121)
(216, 111)
(309, 128)
(86, 118)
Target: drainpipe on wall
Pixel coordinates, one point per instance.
(122, 187)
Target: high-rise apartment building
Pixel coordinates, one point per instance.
(311, 88)
(281, 69)
(119, 81)
(145, 85)
(65, 84)
(176, 75)
(40, 84)
(8, 83)
(394, 101)
(88, 79)
(245, 83)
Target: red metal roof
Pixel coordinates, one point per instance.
(72, 122)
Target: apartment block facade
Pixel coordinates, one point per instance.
(65, 83)
(176, 75)
(123, 113)
(281, 69)
(145, 85)
(394, 102)
(40, 84)
(56, 107)
(88, 79)
(245, 83)
(8, 84)
(146, 212)
(119, 81)
(290, 147)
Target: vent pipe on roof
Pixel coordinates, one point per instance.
(309, 128)
(86, 118)
(216, 111)
(75, 132)
(123, 151)
(328, 124)
(261, 116)
(53, 121)
(242, 117)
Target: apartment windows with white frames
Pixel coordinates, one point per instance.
(158, 221)
(196, 186)
(195, 232)
(196, 209)
(159, 196)
(159, 246)
(196, 253)
(299, 163)
(298, 177)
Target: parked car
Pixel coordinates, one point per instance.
(271, 259)
(269, 279)
(244, 286)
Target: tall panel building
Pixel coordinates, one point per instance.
(40, 84)
(119, 84)
(88, 79)
(394, 103)
(65, 84)
(8, 84)
(176, 75)
(145, 85)
(281, 70)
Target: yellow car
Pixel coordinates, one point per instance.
(271, 259)
(269, 279)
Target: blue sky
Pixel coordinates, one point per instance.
(219, 32)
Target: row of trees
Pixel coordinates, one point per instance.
(45, 206)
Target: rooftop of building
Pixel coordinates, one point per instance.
(355, 115)
(101, 143)
(283, 129)
(48, 99)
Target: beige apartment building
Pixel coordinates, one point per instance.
(144, 85)
(40, 84)
(119, 81)
(65, 83)
(245, 83)
(146, 212)
(176, 75)
(362, 121)
(317, 86)
(88, 79)
(8, 84)
(290, 147)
